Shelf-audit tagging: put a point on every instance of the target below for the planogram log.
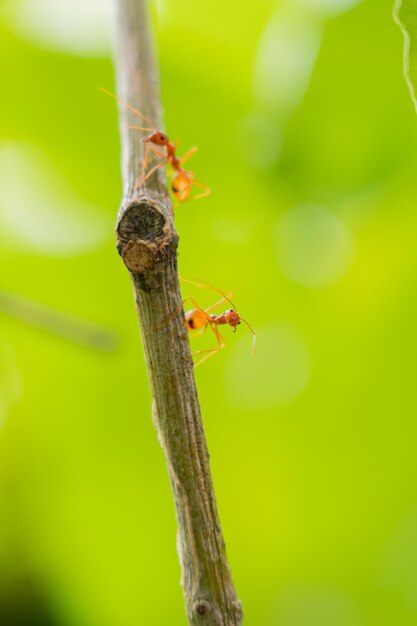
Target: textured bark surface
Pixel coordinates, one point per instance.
(147, 242)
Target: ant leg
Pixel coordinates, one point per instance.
(149, 147)
(142, 180)
(146, 159)
(194, 303)
(188, 154)
(220, 345)
(225, 299)
(140, 128)
(227, 295)
(197, 307)
(177, 310)
(202, 285)
(206, 192)
(199, 331)
(156, 151)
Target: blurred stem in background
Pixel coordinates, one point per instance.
(405, 14)
(62, 324)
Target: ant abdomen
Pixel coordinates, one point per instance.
(181, 184)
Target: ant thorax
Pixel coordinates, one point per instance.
(228, 317)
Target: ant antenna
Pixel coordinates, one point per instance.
(253, 332)
(109, 93)
(201, 283)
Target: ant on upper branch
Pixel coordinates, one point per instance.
(182, 180)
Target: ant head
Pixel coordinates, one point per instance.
(156, 137)
(233, 318)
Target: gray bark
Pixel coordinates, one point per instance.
(147, 242)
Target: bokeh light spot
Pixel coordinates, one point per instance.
(277, 372)
(75, 27)
(285, 60)
(314, 247)
(40, 210)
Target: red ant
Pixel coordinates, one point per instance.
(182, 180)
(201, 319)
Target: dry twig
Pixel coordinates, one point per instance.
(147, 242)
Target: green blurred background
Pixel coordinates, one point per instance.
(307, 136)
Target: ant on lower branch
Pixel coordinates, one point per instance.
(182, 180)
(201, 319)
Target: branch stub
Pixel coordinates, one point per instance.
(143, 231)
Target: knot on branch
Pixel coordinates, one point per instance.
(144, 233)
(202, 607)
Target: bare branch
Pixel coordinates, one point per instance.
(147, 242)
